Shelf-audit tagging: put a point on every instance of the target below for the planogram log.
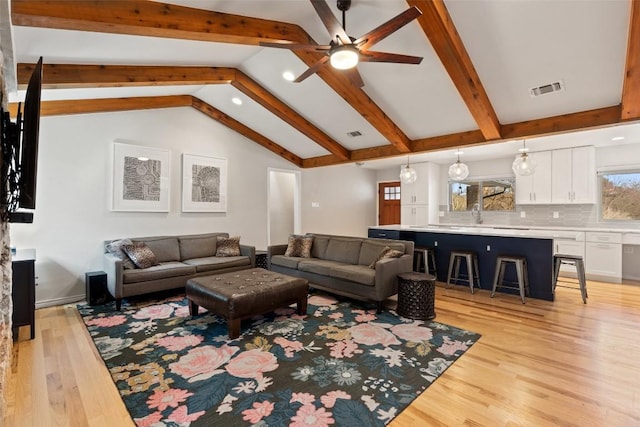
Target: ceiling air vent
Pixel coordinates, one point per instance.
(354, 133)
(550, 88)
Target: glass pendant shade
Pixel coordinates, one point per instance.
(408, 175)
(523, 165)
(458, 171)
(344, 57)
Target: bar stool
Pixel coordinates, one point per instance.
(473, 274)
(578, 263)
(426, 256)
(522, 274)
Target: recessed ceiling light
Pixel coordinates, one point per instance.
(288, 76)
(617, 138)
(236, 100)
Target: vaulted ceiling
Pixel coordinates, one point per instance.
(472, 88)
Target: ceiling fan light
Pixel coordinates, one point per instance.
(458, 171)
(344, 57)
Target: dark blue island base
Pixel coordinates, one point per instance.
(538, 251)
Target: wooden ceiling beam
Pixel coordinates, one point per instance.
(443, 35)
(80, 76)
(235, 125)
(631, 84)
(59, 76)
(150, 18)
(87, 106)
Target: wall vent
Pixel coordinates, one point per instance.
(549, 88)
(354, 133)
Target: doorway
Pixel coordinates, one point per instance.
(283, 205)
(389, 203)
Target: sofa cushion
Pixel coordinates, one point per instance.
(317, 266)
(228, 246)
(160, 271)
(140, 254)
(343, 250)
(115, 248)
(213, 263)
(299, 246)
(286, 261)
(387, 252)
(355, 273)
(371, 249)
(164, 248)
(319, 246)
(198, 246)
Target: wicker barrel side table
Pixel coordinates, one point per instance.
(416, 295)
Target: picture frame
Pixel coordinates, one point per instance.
(204, 183)
(141, 178)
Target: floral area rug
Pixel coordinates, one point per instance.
(339, 365)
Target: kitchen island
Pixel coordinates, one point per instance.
(488, 242)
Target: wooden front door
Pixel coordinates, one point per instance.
(389, 203)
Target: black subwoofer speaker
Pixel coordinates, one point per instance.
(96, 288)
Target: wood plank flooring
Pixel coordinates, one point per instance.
(538, 364)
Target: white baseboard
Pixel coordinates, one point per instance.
(59, 301)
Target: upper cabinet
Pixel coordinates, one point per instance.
(573, 177)
(417, 193)
(535, 188)
(419, 200)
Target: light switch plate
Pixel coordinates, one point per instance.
(523, 214)
(315, 204)
(556, 214)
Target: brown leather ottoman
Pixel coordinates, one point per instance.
(242, 294)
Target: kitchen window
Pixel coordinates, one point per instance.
(495, 194)
(619, 195)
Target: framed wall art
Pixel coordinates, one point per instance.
(140, 178)
(204, 184)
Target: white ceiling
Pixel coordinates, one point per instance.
(514, 45)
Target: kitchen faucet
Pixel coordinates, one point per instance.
(476, 213)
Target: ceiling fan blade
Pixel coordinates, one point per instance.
(354, 76)
(297, 46)
(312, 70)
(371, 56)
(394, 24)
(330, 22)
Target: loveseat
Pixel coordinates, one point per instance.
(177, 259)
(341, 265)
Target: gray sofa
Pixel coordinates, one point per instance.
(180, 258)
(340, 264)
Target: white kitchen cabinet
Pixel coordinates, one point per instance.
(535, 188)
(604, 256)
(569, 247)
(419, 200)
(573, 176)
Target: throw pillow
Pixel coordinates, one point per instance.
(140, 254)
(115, 248)
(299, 246)
(387, 252)
(228, 246)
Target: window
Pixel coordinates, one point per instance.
(620, 195)
(392, 193)
(491, 194)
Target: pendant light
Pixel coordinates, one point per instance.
(523, 165)
(458, 171)
(408, 174)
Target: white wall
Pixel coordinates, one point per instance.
(346, 198)
(73, 216)
(281, 205)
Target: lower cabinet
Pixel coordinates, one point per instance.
(604, 256)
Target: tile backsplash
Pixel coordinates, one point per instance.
(539, 216)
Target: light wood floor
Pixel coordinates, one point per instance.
(539, 364)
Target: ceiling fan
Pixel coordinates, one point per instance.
(344, 52)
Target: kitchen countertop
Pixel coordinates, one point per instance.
(534, 232)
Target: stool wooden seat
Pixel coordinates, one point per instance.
(522, 274)
(578, 262)
(473, 273)
(426, 258)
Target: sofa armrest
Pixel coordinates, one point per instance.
(275, 250)
(387, 271)
(249, 251)
(113, 267)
